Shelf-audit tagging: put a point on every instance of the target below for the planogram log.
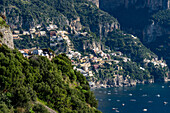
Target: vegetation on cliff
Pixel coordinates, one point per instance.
(3, 22)
(60, 12)
(25, 83)
(82, 16)
(162, 17)
(161, 45)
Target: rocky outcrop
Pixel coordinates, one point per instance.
(154, 30)
(120, 81)
(75, 25)
(96, 2)
(6, 37)
(152, 5)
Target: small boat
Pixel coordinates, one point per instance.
(140, 89)
(150, 101)
(117, 111)
(109, 93)
(109, 99)
(130, 94)
(114, 108)
(118, 100)
(144, 95)
(158, 95)
(145, 110)
(165, 103)
(123, 104)
(163, 86)
(133, 100)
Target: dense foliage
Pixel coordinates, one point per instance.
(3, 22)
(28, 84)
(59, 12)
(162, 17)
(28, 42)
(129, 45)
(161, 45)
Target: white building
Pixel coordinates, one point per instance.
(26, 33)
(42, 33)
(37, 52)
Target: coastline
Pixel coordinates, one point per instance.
(130, 83)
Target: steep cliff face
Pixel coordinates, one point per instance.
(6, 37)
(5, 33)
(152, 5)
(156, 35)
(151, 32)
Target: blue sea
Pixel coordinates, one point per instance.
(148, 98)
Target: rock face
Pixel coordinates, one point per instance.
(6, 37)
(96, 2)
(120, 81)
(154, 30)
(152, 5)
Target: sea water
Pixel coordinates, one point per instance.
(148, 98)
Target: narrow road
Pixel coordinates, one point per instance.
(49, 109)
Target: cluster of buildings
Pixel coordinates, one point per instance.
(156, 62)
(40, 52)
(85, 64)
(36, 31)
(57, 37)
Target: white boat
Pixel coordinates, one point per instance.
(133, 100)
(117, 111)
(114, 108)
(123, 104)
(144, 95)
(158, 95)
(118, 100)
(145, 110)
(130, 94)
(150, 101)
(165, 103)
(109, 93)
(163, 86)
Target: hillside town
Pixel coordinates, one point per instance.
(89, 64)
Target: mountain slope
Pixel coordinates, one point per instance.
(55, 83)
(80, 17)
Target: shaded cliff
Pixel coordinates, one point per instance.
(136, 17)
(157, 35)
(131, 13)
(151, 5)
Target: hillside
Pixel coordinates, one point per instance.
(147, 19)
(80, 27)
(160, 40)
(27, 85)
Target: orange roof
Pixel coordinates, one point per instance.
(26, 50)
